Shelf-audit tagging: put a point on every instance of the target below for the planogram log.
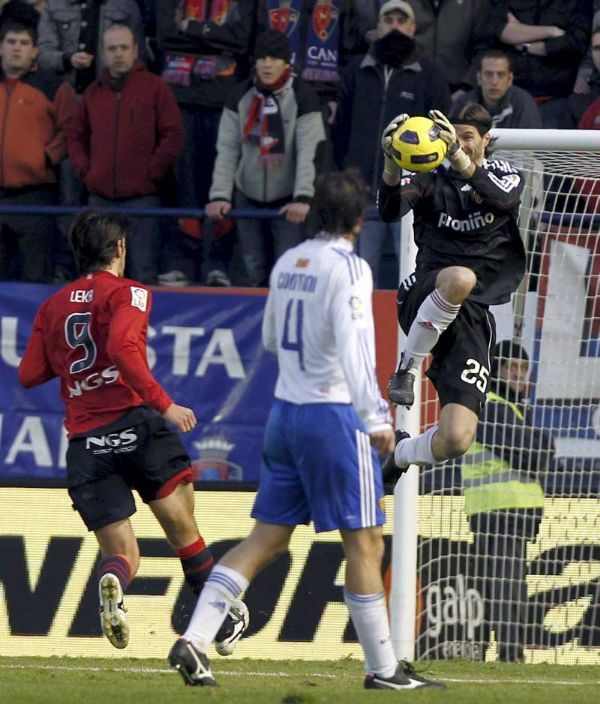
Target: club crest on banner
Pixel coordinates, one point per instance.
(284, 18)
(220, 12)
(325, 17)
(213, 463)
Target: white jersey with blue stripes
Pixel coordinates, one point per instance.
(319, 322)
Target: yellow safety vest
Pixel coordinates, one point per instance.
(491, 484)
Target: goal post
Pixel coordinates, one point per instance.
(406, 498)
(451, 596)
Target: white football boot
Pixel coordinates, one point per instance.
(112, 611)
(237, 621)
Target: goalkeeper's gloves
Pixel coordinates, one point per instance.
(389, 165)
(458, 159)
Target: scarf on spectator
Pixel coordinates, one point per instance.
(264, 124)
(199, 10)
(321, 38)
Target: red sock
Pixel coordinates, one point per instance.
(197, 562)
(117, 565)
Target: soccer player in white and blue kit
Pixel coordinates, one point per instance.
(326, 426)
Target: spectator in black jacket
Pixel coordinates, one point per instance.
(545, 42)
(449, 32)
(203, 45)
(392, 78)
(587, 65)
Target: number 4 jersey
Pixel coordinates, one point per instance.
(92, 335)
(319, 321)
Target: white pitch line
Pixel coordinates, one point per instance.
(153, 670)
(569, 683)
(228, 673)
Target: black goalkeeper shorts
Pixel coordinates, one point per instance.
(462, 357)
(102, 469)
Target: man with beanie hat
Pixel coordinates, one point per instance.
(504, 499)
(273, 43)
(324, 36)
(510, 370)
(269, 136)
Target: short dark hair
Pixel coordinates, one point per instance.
(119, 25)
(477, 116)
(94, 238)
(340, 201)
(496, 54)
(18, 28)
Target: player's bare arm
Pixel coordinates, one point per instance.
(184, 419)
(383, 440)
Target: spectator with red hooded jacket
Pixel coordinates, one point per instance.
(580, 100)
(127, 134)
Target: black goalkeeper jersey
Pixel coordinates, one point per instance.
(467, 222)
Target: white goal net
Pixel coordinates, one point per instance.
(524, 583)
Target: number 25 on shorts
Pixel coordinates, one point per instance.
(476, 373)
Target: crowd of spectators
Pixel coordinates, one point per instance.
(214, 105)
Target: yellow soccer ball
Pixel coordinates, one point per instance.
(417, 146)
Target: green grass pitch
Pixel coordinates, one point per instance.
(96, 681)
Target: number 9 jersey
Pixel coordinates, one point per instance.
(319, 322)
(92, 335)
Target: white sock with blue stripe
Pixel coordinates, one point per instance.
(223, 586)
(370, 618)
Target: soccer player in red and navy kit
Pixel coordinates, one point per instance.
(92, 336)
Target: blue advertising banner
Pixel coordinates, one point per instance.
(204, 348)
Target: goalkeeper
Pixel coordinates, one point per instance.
(470, 256)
